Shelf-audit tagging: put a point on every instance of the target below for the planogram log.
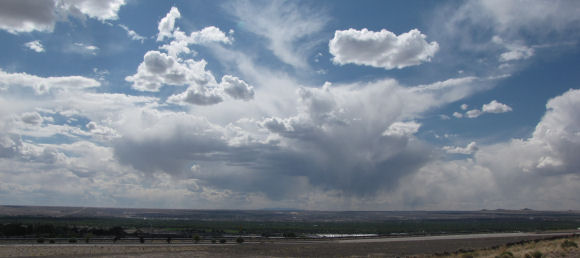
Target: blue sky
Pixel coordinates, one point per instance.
(332, 105)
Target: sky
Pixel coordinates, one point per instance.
(317, 105)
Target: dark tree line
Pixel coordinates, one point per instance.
(51, 230)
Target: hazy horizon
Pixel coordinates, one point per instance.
(309, 105)
(284, 209)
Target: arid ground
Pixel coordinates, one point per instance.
(379, 247)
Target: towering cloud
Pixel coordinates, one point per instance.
(159, 69)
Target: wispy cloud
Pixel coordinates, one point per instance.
(84, 49)
(291, 31)
(132, 34)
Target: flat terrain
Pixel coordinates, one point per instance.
(376, 247)
(274, 233)
(280, 215)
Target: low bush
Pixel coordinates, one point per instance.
(505, 254)
(534, 254)
(569, 244)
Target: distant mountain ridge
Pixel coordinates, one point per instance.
(278, 214)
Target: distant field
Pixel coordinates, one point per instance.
(76, 232)
(79, 222)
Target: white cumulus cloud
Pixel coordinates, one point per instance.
(158, 69)
(457, 115)
(27, 15)
(493, 107)
(402, 129)
(514, 51)
(467, 150)
(167, 24)
(181, 41)
(32, 118)
(98, 9)
(35, 45)
(474, 113)
(518, 53)
(237, 88)
(18, 16)
(381, 49)
(213, 93)
(198, 95)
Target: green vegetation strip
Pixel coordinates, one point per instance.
(79, 227)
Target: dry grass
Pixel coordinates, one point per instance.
(547, 248)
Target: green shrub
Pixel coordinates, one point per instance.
(196, 238)
(534, 254)
(505, 254)
(87, 239)
(213, 241)
(51, 241)
(40, 240)
(222, 241)
(239, 240)
(569, 244)
(72, 240)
